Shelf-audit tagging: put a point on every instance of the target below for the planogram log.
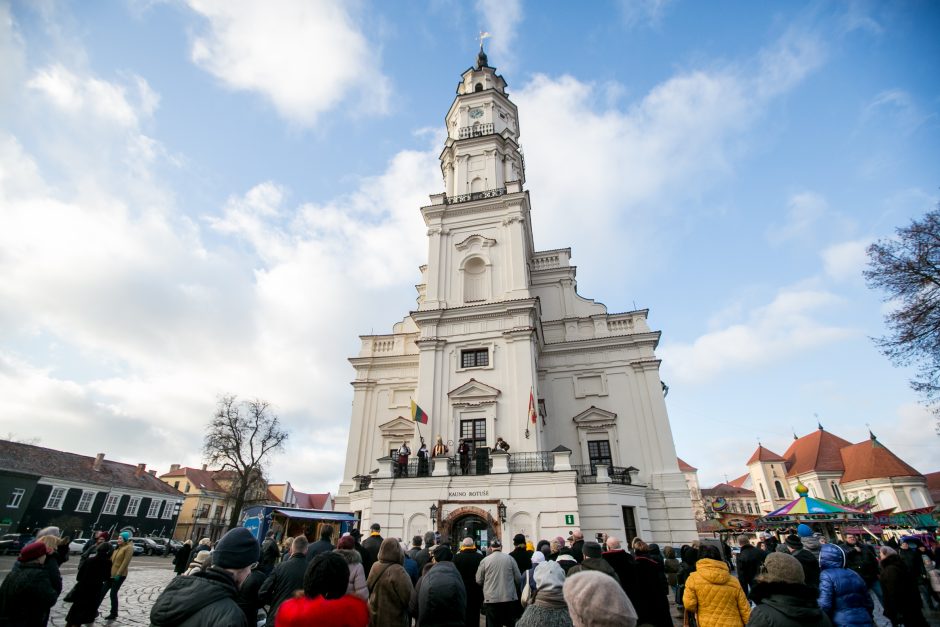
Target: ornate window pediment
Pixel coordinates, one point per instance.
(595, 418)
(475, 240)
(399, 428)
(473, 392)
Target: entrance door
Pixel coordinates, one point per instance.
(471, 526)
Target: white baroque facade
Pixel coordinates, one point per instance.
(497, 320)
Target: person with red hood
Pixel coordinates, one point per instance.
(325, 602)
(27, 593)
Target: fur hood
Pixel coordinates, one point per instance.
(350, 555)
(765, 589)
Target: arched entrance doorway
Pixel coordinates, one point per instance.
(469, 522)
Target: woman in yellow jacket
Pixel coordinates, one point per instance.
(713, 594)
(120, 560)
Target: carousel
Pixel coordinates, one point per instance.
(828, 516)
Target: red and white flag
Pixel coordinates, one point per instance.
(533, 415)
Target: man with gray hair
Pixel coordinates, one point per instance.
(424, 555)
(623, 564)
(286, 577)
(499, 575)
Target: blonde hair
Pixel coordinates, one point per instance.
(51, 543)
(639, 545)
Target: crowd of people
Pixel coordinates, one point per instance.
(800, 579)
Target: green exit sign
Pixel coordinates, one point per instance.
(569, 519)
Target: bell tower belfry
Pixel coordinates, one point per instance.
(482, 112)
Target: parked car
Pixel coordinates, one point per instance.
(149, 546)
(171, 546)
(138, 549)
(11, 543)
(77, 545)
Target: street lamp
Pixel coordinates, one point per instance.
(501, 510)
(433, 514)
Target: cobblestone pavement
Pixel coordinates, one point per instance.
(147, 578)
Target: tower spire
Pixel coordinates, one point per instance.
(482, 61)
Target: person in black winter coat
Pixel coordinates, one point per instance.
(748, 563)
(651, 589)
(440, 598)
(371, 547)
(323, 545)
(781, 597)
(806, 558)
(861, 558)
(625, 567)
(287, 578)
(86, 595)
(689, 556)
(467, 562)
(522, 556)
(577, 545)
(901, 598)
(27, 594)
(209, 598)
(248, 598)
(423, 556)
(181, 560)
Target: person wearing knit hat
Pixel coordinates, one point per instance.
(807, 560)
(27, 593)
(596, 600)
(782, 598)
(547, 607)
(325, 601)
(346, 548)
(120, 562)
(467, 562)
(594, 560)
(210, 597)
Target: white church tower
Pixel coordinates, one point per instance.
(498, 323)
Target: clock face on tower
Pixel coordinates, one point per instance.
(476, 114)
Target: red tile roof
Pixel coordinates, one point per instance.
(764, 455)
(740, 481)
(684, 467)
(819, 451)
(202, 479)
(47, 462)
(725, 489)
(871, 460)
(933, 485)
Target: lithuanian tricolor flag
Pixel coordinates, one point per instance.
(418, 414)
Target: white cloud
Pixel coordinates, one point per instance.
(501, 19)
(846, 260)
(643, 12)
(784, 327)
(804, 211)
(912, 437)
(305, 57)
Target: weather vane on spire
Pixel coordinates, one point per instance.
(483, 35)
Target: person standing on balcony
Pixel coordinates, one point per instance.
(464, 452)
(501, 445)
(423, 462)
(440, 449)
(403, 453)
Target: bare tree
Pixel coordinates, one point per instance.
(907, 268)
(241, 438)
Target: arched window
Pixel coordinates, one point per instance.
(478, 87)
(917, 498)
(835, 490)
(779, 487)
(750, 510)
(474, 277)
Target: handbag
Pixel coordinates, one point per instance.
(688, 619)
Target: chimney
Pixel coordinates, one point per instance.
(140, 470)
(152, 472)
(99, 458)
(204, 466)
(174, 467)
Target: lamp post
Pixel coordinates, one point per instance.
(433, 515)
(501, 510)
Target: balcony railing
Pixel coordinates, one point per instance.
(541, 461)
(477, 130)
(490, 193)
(587, 473)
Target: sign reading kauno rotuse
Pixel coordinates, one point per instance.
(456, 494)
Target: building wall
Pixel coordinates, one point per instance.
(82, 524)
(10, 515)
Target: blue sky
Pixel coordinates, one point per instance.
(202, 196)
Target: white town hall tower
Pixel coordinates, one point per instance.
(496, 322)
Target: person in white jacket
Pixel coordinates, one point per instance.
(346, 548)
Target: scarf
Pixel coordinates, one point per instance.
(550, 598)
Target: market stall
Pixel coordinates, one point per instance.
(813, 511)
